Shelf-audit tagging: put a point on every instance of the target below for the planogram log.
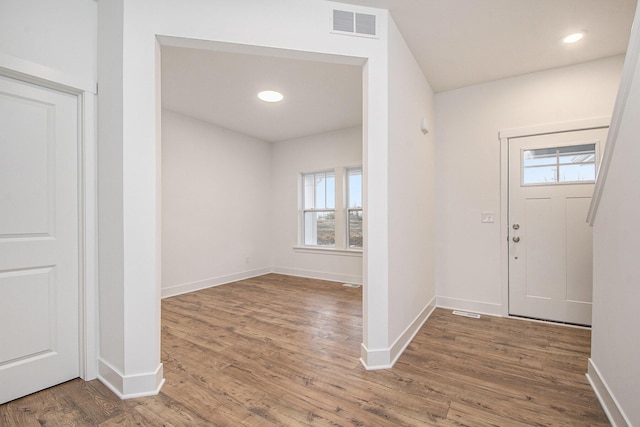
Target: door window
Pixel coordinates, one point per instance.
(559, 165)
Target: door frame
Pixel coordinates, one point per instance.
(504, 135)
(85, 92)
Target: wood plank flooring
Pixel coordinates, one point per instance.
(283, 351)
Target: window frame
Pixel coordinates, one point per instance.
(350, 209)
(305, 210)
(557, 165)
(341, 212)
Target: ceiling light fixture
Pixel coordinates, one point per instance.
(270, 96)
(572, 38)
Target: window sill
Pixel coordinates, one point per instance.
(328, 251)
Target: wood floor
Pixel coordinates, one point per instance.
(278, 350)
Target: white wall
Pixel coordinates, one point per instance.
(468, 120)
(57, 38)
(216, 199)
(132, 107)
(615, 344)
(411, 195)
(340, 148)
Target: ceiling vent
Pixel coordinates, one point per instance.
(354, 23)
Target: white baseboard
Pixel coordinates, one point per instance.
(373, 360)
(469, 305)
(332, 277)
(386, 358)
(130, 386)
(406, 337)
(614, 412)
(184, 288)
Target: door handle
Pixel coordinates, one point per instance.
(516, 239)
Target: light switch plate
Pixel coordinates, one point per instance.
(488, 217)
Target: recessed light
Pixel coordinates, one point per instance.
(572, 38)
(270, 96)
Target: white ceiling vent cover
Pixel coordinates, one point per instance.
(354, 23)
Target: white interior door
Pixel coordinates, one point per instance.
(551, 179)
(39, 258)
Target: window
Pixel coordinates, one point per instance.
(354, 208)
(319, 215)
(557, 165)
(331, 210)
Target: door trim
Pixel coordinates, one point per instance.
(22, 69)
(85, 93)
(504, 135)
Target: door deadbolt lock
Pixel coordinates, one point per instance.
(516, 226)
(516, 239)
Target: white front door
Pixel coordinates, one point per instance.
(39, 255)
(551, 180)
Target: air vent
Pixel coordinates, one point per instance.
(343, 21)
(354, 23)
(365, 24)
(466, 314)
(351, 285)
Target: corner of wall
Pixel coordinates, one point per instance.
(320, 275)
(609, 403)
(130, 386)
(376, 359)
(373, 360)
(184, 288)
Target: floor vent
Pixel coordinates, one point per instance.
(354, 23)
(351, 285)
(466, 314)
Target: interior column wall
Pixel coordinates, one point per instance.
(110, 180)
(303, 28)
(411, 195)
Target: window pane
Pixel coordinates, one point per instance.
(330, 202)
(539, 175)
(355, 188)
(355, 229)
(578, 154)
(320, 228)
(308, 191)
(574, 173)
(320, 191)
(540, 157)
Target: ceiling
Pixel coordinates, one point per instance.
(464, 42)
(457, 43)
(221, 88)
